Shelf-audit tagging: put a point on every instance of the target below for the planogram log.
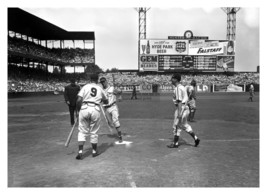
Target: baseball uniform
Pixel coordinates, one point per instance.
(111, 109)
(180, 95)
(251, 92)
(89, 115)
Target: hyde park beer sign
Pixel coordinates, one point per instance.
(163, 47)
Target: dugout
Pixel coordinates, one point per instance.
(31, 31)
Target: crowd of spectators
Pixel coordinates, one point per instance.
(66, 55)
(23, 79)
(237, 79)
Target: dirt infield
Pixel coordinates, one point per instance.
(228, 154)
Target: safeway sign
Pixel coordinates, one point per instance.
(146, 88)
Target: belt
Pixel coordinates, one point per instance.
(88, 102)
(109, 105)
(181, 102)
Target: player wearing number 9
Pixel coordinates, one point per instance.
(88, 105)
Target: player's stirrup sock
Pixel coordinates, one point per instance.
(175, 139)
(119, 133)
(193, 135)
(80, 148)
(94, 146)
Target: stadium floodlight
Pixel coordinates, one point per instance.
(142, 27)
(231, 21)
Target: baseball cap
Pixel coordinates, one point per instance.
(193, 82)
(177, 76)
(102, 79)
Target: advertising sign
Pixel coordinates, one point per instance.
(148, 63)
(220, 88)
(230, 47)
(146, 88)
(205, 47)
(203, 43)
(206, 50)
(129, 88)
(203, 88)
(165, 88)
(182, 37)
(225, 63)
(168, 47)
(234, 88)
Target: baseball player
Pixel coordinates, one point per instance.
(134, 93)
(111, 109)
(120, 94)
(88, 105)
(180, 99)
(251, 92)
(191, 100)
(70, 95)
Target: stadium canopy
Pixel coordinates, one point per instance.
(22, 22)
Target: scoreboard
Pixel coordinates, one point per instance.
(170, 62)
(186, 62)
(205, 62)
(183, 53)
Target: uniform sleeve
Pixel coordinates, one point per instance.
(175, 95)
(114, 91)
(117, 91)
(104, 96)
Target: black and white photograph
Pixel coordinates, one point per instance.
(125, 95)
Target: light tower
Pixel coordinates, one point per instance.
(231, 21)
(142, 28)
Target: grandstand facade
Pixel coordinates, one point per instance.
(36, 43)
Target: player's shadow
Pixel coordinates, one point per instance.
(101, 149)
(183, 142)
(115, 135)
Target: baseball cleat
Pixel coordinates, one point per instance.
(120, 139)
(79, 156)
(197, 142)
(172, 145)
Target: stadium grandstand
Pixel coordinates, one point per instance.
(34, 45)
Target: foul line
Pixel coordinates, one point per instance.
(220, 140)
(231, 140)
(130, 178)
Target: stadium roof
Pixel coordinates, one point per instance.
(25, 23)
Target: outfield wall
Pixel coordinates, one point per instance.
(202, 88)
(147, 89)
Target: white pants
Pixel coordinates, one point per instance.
(89, 123)
(192, 104)
(180, 124)
(112, 114)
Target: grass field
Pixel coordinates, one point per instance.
(228, 154)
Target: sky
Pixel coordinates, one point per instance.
(116, 29)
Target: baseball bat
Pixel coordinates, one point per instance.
(106, 119)
(71, 133)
